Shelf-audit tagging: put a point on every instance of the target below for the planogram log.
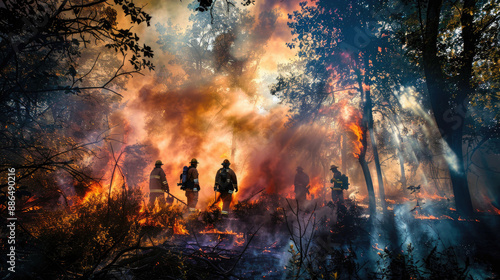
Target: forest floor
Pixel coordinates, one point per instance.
(271, 238)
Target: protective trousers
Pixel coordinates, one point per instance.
(192, 199)
(153, 196)
(338, 196)
(226, 201)
(301, 196)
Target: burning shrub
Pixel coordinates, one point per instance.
(163, 217)
(212, 216)
(80, 240)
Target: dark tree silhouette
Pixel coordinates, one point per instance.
(56, 87)
(451, 69)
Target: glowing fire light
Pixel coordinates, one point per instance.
(359, 134)
(377, 248)
(179, 228)
(434, 196)
(442, 217)
(94, 190)
(215, 231)
(239, 238)
(424, 217)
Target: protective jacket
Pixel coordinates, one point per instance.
(301, 181)
(231, 182)
(192, 179)
(337, 182)
(158, 181)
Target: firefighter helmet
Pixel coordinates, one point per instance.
(299, 168)
(333, 167)
(226, 162)
(194, 161)
(158, 162)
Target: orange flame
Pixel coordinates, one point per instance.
(179, 228)
(216, 231)
(316, 188)
(239, 238)
(424, 217)
(432, 196)
(94, 190)
(354, 127)
(377, 248)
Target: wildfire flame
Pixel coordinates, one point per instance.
(179, 228)
(354, 127)
(424, 217)
(377, 248)
(442, 217)
(239, 238)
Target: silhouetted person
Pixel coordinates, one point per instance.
(337, 189)
(158, 184)
(226, 183)
(301, 183)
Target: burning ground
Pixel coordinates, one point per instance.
(269, 87)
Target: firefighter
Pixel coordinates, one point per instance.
(192, 186)
(158, 184)
(226, 183)
(337, 189)
(301, 183)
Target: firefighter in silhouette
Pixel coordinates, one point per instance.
(340, 184)
(192, 185)
(158, 184)
(226, 183)
(301, 184)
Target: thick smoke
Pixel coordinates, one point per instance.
(211, 124)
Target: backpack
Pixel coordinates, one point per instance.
(345, 182)
(225, 181)
(183, 178)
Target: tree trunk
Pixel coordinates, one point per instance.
(402, 168)
(369, 114)
(372, 204)
(343, 154)
(458, 175)
(449, 109)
